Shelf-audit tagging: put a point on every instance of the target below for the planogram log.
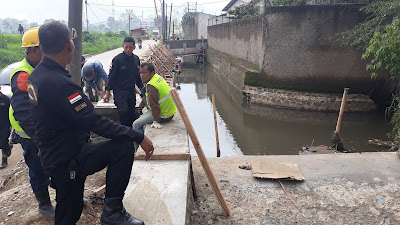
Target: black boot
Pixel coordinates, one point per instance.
(45, 206)
(114, 213)
(4, 163)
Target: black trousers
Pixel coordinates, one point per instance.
(117, 155)
(126, 108)
(4, 145)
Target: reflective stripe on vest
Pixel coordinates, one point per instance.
(25, 67)
(167, 105)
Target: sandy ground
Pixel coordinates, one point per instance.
(325, 197)
(361, 190)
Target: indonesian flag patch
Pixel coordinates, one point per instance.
(74, 98)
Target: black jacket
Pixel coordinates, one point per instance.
(64, 116)
(124, 74)
(4, 121)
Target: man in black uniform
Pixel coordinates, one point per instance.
(123, 76)
(64, 116)
(5, 128)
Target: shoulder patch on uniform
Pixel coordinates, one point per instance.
(22, 81)
(81, 106)
(74, 97)
(32, 92)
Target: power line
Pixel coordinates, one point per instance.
(125, 6)
(95, 15)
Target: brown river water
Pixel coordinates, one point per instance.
(259, 130)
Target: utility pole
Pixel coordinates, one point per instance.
(129, 11)
(158, 21)
(166, 22)
(163, 17)
(113, 9)
(87, 19)
(75, 24)
(141, 21)
(169, 27)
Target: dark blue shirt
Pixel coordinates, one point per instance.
(99, 72)
(124, 74)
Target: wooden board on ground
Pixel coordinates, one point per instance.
(164, 156)
(282, 171)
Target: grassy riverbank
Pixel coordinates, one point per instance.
(93, 43)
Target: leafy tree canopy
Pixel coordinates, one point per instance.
(188, 16)
(244, 11)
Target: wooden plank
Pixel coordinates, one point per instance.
(215, 123)
(199, 150)
(164, 156)
(100, 191)
(339, 121)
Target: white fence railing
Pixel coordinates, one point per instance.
(219, 20)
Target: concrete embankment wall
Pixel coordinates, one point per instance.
(241, 39)
(298, 54)
(231, 72)
(291, 48)
(181, 47)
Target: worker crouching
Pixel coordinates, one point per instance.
(160, 105)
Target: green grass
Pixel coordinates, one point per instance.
(93, 43)
(10, 49)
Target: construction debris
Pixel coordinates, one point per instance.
(164, 62)
(283, 171)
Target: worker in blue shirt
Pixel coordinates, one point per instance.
(64, 116)
(93, 76)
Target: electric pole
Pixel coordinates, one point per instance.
(166, 22)
(169, 27)
(87, 19)
(158, 21)
(163, 18)
(129, 11)
(75, 24)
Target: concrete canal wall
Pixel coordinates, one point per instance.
(290, 48)
(181, 47)
(242, 39)
(231, 73)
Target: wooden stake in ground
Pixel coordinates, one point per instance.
(336, 141)
(215, 123)
(199, 150)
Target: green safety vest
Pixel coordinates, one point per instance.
(26, 67)
(166, 102)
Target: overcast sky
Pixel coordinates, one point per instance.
(100, 10)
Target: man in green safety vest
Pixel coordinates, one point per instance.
(160, 105)
(23, 124)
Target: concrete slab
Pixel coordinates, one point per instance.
(350, 188)
(158, 191)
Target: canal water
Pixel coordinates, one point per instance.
(259, 130)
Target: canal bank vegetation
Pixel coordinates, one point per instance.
(379, 37)
(92, 43)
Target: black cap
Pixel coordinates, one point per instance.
(88, 72)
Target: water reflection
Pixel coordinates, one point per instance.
(253, 130)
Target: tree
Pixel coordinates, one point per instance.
(33, 24)
(379, 13)
(384, 49)
(111, 23)
(188, 16)
(245, 10)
